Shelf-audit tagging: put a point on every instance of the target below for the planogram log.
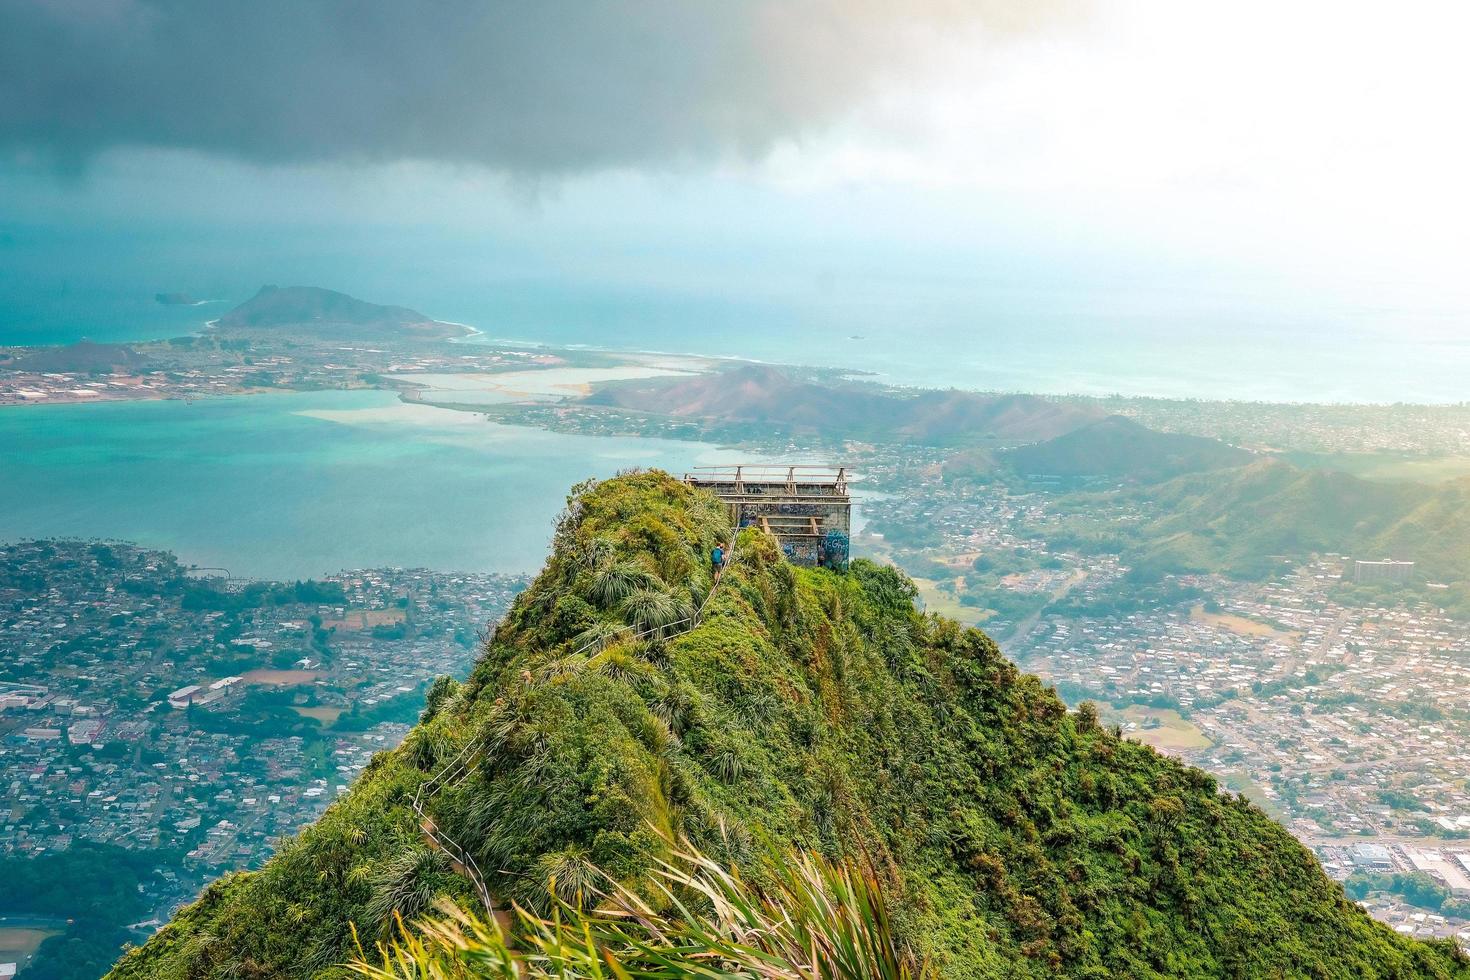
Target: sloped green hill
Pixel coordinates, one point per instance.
(1120, 448)
(1114, 448)
(1235, 521)
(1013, 839)
(768, 396)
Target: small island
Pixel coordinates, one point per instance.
(311, 311)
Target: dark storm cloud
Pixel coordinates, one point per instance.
(532, 86)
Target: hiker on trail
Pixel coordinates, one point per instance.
(717, 558)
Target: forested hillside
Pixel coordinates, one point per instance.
(810, 709)
(1237, 521)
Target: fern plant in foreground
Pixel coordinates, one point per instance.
(816, 921)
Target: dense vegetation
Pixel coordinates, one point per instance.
(1414, 888)
(1272, 508)
(82, 356)
(205, 594)
(808, 709)
(94, 888)
(1248, 520)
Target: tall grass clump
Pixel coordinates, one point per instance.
(816, 920)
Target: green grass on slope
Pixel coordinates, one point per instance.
(810, 708)
(1120, 448)
(1235, 521)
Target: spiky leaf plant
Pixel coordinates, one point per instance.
(614, 581)
(653, 609)
(408, 885)
(817, 920)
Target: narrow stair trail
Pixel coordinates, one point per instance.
(469, 759)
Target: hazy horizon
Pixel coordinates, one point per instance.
(1043, 329)
(1089, 197)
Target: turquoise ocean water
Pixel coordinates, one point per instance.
(293, 485)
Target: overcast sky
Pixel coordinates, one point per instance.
(1310, 141)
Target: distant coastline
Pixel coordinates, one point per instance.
(181, 299)
(1126, 366)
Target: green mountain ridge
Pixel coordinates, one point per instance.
(807, 708)
(1237, 521)
(1115, 448)
(1119, 448)
(755, 393)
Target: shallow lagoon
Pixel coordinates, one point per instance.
(292, 485)
(539, 385)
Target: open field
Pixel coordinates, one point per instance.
(1240, 783)
(324, 714)
(1241, 625)
(936, 600)
(279, 678)
(962, 562)
(1173, 734)
(537, 385)
(358, 620)
(19, 943)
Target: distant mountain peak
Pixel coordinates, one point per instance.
(315, 311)
(1118, 447)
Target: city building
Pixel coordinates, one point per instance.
(85, 732)
(1387, 570)
(1372, 856)
(184, 697)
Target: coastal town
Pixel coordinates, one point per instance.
(209, 365)
(148, 706)
(1398, 430)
